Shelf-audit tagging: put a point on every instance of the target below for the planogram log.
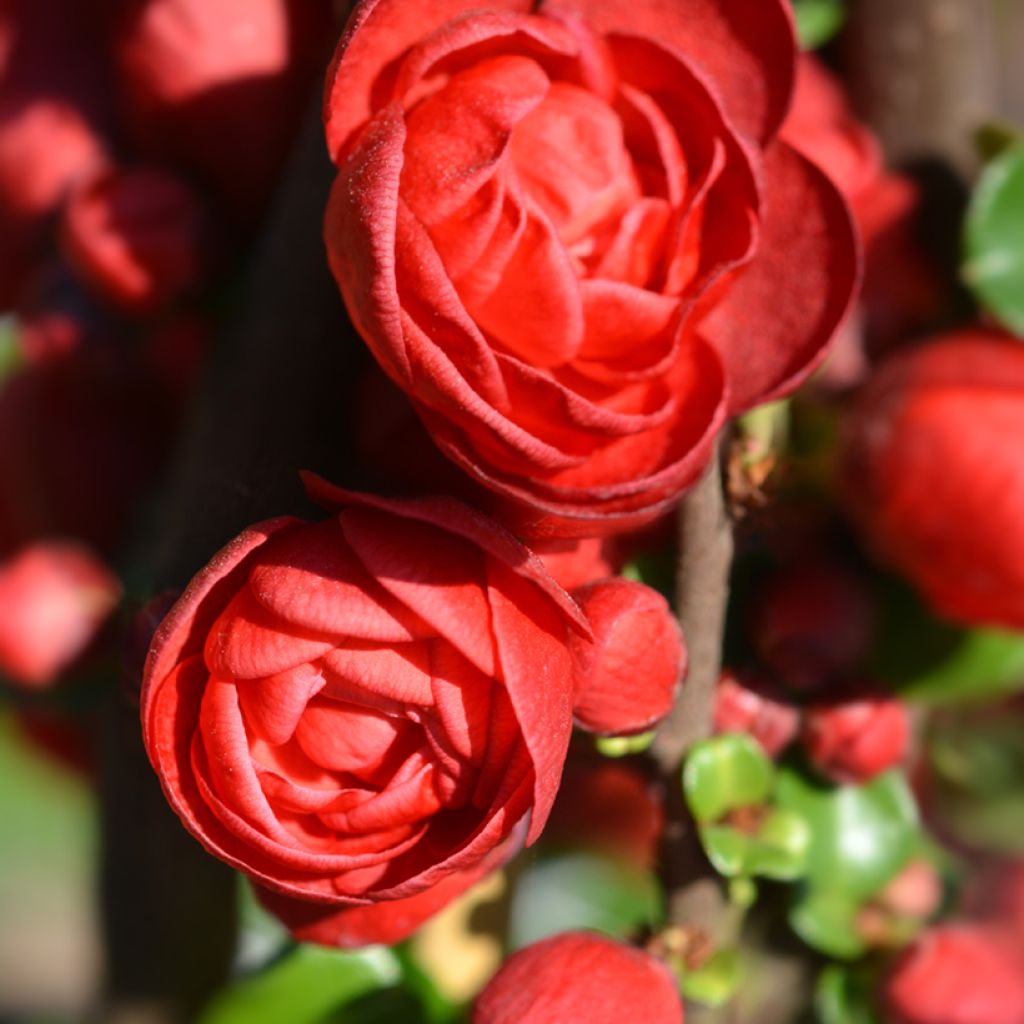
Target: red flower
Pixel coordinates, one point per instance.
(566, 231)
(54, 596)
(219, 87)
(359, 709)
(935, 476)
(578, 977)
(956, 974)
(750, 707)
(135, 235)
(854, 741)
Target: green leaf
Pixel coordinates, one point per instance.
(715, 982)
(780, 847)
(582, 890)
(817, 21)
(861, 836)
(986, 663)
(725, 773)
(994, 239)
(727, 848)
(304, 987)
(827, 921)
(844, 995)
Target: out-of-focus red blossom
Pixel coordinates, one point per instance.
(54, 596)
(901, 290)
(995, 893)
(220, 86)
(956, 974)
(934, 476)
(579, 977)
(635, 662)
(135, 235)
(610, 807)
(568, 232)
(811, 622)
(356, 710)
(915, 892)
(854, 741)
(80, 436)
(67, 741)
(50, 115)
(751, 707)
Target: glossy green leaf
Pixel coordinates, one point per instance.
(715, 982)
(994, 239)
(727, 848)
(725, 773)
(582, 890)
(844, 995)
(304, 987)
(826, 920)
(986, 663)
(780, 847)
(817, 21)
(861, 836)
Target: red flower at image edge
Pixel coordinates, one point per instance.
(364, 709)
(573, 239)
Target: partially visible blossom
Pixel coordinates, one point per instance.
(751, 707)
(579, 978)
(853, 741)
(54, 596)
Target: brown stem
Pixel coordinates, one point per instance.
(271, 405)
(924, 74)
(693, 892)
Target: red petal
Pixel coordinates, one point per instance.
(379, 677)
(774, 324)
(273, 706)
(746, 48)
(363, 70)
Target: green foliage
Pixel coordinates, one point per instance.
(817, 21)
(994, 239)
(623, 746)
(714, 983)
(10, 357)
(861, 836)
(307, 986)
(936, 663)
(843, 995)
(726, 773)
(582, 890)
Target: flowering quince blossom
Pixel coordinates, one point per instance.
(959, 973)
(934, 475)
(365, 709)
(54, 596)
(567, 230)
(577, 977)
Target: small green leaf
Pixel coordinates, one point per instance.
(582, 890)
(742, 892)
(623, 746)
(303, 987)
(844, 995)
(780, 847)
(986, 663)
(725, 773)
(727, 848)
(715, 982)
(10, 354)
(994, 239)
(827, 921)
(861, 836)
(817, 21)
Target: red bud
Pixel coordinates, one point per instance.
(754, 710)
(633, 669)
(578, 977)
